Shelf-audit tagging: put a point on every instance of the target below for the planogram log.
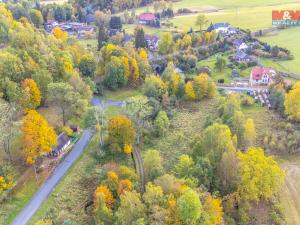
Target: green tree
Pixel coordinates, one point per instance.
(161, 123)
(139, 35)
(9, 124)
(96, 119)
(139, 110)
(201, 21)
(36, 18)
(189, 207)
(102, 36)
(67, 100)
(207, 146)
(131, 208)
(166, 44)
(185, 167)
(153, 164)
(220, 63)
(236, 124)
(115, 74)
(87, 65)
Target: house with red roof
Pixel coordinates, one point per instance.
(261, 76)
(147, 19)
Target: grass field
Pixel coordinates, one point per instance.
(289, 39)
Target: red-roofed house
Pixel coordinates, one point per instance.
(261, 76)
(147, 18)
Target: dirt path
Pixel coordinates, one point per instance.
(290, 196)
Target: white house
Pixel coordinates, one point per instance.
(261, 76)
(63, 141)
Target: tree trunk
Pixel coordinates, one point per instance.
(34, 168)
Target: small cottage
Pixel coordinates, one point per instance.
(261, 76)
(147, 19)
(63, 141)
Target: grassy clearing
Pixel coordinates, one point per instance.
(187, 122)
(122, 94)
(289, 39)
(226, 74)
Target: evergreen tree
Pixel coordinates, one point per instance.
(102, 37)
(140, 41)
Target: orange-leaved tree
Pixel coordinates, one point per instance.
(121, 132)
(124, 185)
(31, 95)
(38, 137)
(108, 197)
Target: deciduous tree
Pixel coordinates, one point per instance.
(201, 21)
(261, 176)
(31, 95)
(131, 208)
(189, 207)
(292, 103)
(38, 137)
(120, 132)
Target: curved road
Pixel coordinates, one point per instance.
(41, 195)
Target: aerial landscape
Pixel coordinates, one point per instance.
(149, 112)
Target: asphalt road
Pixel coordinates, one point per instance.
(42, 194)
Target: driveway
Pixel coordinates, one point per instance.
(42, 194)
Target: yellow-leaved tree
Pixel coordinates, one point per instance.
(134, 79)
(143, 55)
(31, 95)
(292, 102)
(121, 133)
(38, 137)
(189, 91)
(59, 34)
(249, 133)
(260, 175)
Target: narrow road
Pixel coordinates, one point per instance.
(42, 194)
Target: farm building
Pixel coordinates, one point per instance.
(261, 76)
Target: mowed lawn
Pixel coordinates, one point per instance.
(290, 39)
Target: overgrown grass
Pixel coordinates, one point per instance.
(10, 209)
(187, 122)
